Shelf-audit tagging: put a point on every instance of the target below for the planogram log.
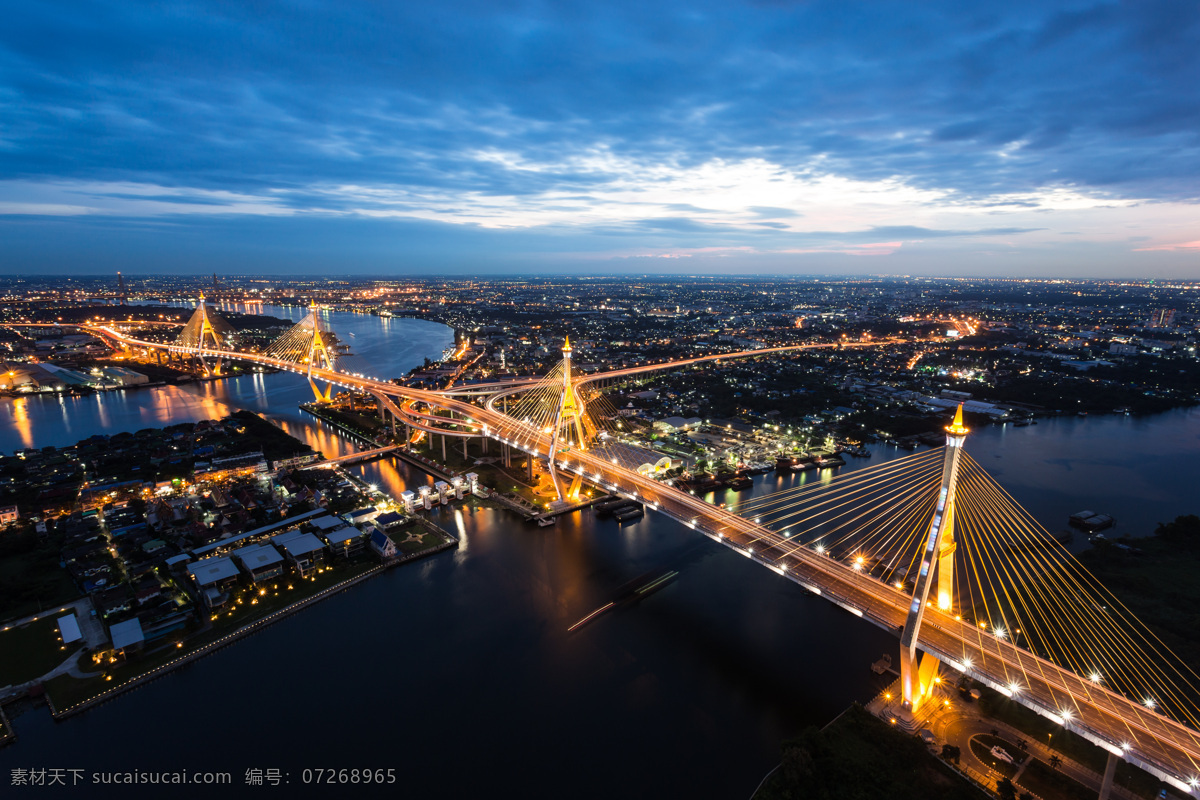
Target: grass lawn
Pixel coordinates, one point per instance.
(1050, 784)
(859, 756)
(33, 581)
(31, 650)
(66, 691)
(419, 542)
(275, 595)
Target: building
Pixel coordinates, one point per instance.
(9, 515)
(29, 378)
(672, 424)
(261, 562)
(346, 542)
(69, 377)
(214, 578)
(68, 629)
(120, 376)
(127, 636)
(304, 551)
(389, 520)
(360, 515)
(325, 524)
(381, 545)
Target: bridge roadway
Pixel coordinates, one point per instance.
(1120, 725)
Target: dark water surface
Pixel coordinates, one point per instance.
(459, 672)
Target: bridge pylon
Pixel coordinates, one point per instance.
(570, 416)
(205, 331)
(918, 673)
(321, 355)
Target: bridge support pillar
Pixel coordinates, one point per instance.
(945, 581)
(917, 676)
(443, 448)
(1110, 770)
(325, 396)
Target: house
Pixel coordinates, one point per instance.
(346, 542)
(326, 524)
(9, 515)
(112, 601)
(147, 590)
(303, 550)
(214, 577)
(360, 515)
(381, 545)
(68, 629)
(262, 562)
(127, 636)
(389, 520)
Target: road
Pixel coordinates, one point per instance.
(1118, 724)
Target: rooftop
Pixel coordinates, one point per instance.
(126, 633)
(212, 570)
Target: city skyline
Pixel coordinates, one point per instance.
(730, 139)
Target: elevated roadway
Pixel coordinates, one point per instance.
(1121, 725)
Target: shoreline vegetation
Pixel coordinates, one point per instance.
(860, 756)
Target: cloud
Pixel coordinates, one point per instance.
(772, 126)
(1180, 247)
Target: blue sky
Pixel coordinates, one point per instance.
(1023, 138)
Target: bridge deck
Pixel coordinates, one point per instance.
(1123, 726)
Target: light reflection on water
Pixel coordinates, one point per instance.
(463, 664)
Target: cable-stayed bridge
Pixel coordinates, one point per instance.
(929, 547)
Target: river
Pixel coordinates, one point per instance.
(459, 671)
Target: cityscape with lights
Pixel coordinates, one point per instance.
(744, 411)
(738, 399)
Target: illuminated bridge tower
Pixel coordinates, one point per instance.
(917, 672)
(571, 418)
(205, 331)
(310, 344)
(321, 353)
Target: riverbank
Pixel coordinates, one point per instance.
(353, 426)
(74, 706)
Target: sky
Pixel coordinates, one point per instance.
(1048, 139)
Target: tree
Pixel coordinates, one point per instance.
(1184, 531)
(1006, 790)
(1026, 796)
(1055, 761)
(951, 753)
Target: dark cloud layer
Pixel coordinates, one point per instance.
(972, 99)
(1092, 93)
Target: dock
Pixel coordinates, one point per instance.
(548, 516)
(883, 665)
